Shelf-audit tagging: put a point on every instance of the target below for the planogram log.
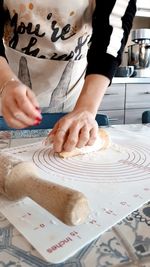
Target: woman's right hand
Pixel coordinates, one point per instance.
(20, 108)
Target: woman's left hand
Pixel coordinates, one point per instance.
(76, 129)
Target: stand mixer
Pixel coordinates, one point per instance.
(139, 52)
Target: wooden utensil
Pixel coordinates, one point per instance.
(19, 179)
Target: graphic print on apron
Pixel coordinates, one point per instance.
(23, 73)
(60, 92)
(46, 45)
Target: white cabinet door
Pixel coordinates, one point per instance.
(133, 116)
(115, 116)
(114, 97)
(137, 96)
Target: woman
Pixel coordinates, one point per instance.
(66, 54)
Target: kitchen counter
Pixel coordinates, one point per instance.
(127, 244)
(130, 80)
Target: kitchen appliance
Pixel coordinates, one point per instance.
(139, 52)
(125, 71)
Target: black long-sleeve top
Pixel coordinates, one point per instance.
(112, 22)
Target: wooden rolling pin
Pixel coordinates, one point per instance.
(19, 179)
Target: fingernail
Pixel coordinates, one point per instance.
(38, 119)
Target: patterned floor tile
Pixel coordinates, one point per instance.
(106, 251)
(134, 232)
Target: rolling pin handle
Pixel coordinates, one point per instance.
(68, 205)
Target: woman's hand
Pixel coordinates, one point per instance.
(20, 108)
(76, 129)
(79, 128)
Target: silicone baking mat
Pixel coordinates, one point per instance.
(116, 181)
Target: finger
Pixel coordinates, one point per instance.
(26, 106)
(12, 122)
(54, 130)
(83, 137)
(33, 99)
(72, 139)
(93, 136)
(51, 135)
(59, 140)
(20, 116)
(59, 134)
(61, 123)
(49, 139)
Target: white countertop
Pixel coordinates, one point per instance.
(130, 80)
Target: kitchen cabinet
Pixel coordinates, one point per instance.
(133, 116)
(137, 96)
(124, 103)
(113, 103)
(143, 8)
(115, 116)
(114, 97)
(137, 101)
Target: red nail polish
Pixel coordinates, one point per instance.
(38, 119)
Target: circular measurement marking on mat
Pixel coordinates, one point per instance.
(128, 164)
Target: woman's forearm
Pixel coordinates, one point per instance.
(92, 93)
(5, 72)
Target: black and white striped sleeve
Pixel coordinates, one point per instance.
(112, 22)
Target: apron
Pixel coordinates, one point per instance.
(46, 43)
